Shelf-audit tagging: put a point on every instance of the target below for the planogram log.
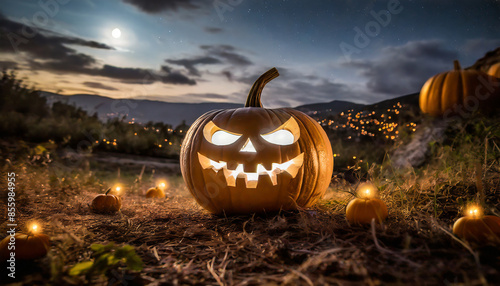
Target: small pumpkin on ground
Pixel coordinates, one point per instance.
(27, 246)
(366, 207)
(106, 203)
(451, 92)
(478, 228)
(155, 192)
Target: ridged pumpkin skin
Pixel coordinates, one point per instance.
(106, 203)
(27, 247)
(478, 230)
(363, 210)
(444, 92)
(155, 193)
(494, 70)
(210, 187)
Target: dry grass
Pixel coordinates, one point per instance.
(181, 244)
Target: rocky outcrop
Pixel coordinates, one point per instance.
(415, 153)
(484, 63)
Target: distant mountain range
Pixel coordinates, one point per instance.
(138, 110)
(409, 99)
(142, 111)
(328, 108)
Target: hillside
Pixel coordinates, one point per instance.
(484, 63)
(328, 108)
(410, 100)
(142, 111)
(139, 111)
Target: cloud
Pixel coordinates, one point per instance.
(177, 78)
(121, 73)
(166, 69)
(72, 63)
(190, 64)
(213, 30)
(81, 42)
(293, 88)
(285, 75)
(228, 53)
(228, 75)
(158, 6)
(207, 95)
(298, 92)
(8, 65)
(211, 55)
(13, 39)
(476, 48)
(186, 98)
(49, 52)
(141, 76)
(125, 74)
(98, 85)
(404, 69)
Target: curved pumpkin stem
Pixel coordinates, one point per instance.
(456, 65)
(106, 193)
(253, 99)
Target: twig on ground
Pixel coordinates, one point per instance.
(383, 250)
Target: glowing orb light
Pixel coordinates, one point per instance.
(367, 190)
(474, 211)
(34, 228)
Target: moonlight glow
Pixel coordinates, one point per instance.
(116, 33)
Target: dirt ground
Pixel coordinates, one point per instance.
(182, 244)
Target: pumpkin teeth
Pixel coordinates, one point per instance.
(252, 178)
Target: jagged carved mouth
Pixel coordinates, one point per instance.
(252, 178)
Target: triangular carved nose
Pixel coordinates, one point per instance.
(248, 147)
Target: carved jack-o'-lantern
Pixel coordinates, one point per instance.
(253, 159)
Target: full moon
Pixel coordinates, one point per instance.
(116, 33)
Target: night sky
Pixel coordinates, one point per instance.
(199, 51)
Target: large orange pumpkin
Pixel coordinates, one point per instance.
(27, 247)
(450, 92)
(253, 159)
(494, 70)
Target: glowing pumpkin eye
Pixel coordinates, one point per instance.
(222, 138)
(280, 137)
